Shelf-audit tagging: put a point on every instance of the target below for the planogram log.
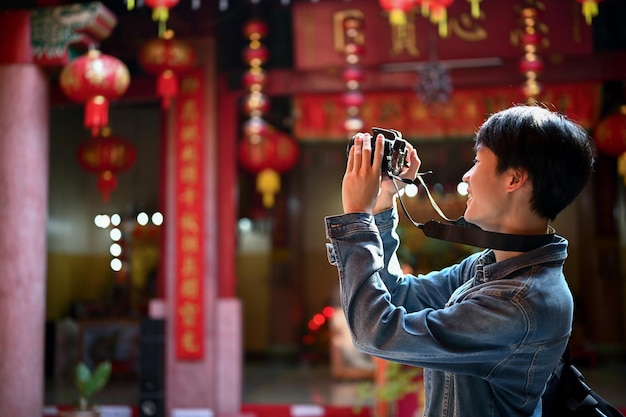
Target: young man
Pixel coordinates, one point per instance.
(487, 331)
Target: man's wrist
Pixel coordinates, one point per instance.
(385, 203)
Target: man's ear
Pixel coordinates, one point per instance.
(518, 177)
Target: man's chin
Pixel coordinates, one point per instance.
(468, 218)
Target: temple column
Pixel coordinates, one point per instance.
(210, 381)
(23, 214)
(24, 145)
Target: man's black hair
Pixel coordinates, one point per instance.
(556, 152)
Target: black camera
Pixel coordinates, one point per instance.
(394, 158)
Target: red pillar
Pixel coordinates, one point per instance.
(23, 214)
(24, 154)
(229, 312)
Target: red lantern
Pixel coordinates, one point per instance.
(439, 15)
(161, 12)
(590, 9)
(106, 156)
(533, 39)
(286, 152)
(397, 10)
(255, 104)
(353, 74)
(255, 29)
(255, 55)
(95, 78)
(610, 134)
(255, 129)
(353, 124)
(166, 58)
(353, 99)
(277, 151)
(254, 80)
(531, 62)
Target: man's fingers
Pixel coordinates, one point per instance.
(358, 151)
(415, 163)
(379, 152)
(350, 164)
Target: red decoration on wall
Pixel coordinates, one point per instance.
(189, 329)
(106, 156)
(95, 78)
(167, 58)
(320, 115)
(469, 37)
(610, 134)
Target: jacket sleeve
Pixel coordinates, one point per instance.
(402, 318)
(414, 293)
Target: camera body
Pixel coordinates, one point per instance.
(394, 158)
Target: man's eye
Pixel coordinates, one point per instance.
(474, 161)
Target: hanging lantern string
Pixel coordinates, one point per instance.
(530, 38)
(256, 103)
(353, 39)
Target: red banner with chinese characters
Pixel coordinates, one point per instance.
(322, 116)
(189, 328)
(496, 32)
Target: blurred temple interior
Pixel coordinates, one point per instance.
(167, 216)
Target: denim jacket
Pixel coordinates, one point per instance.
(488, 334)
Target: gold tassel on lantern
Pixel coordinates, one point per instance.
(590, 9)
(268, 184)
(475, 8)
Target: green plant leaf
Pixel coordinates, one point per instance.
(82, 377)
(98, 379)
(88, 382)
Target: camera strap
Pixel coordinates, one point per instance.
(461, 231)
